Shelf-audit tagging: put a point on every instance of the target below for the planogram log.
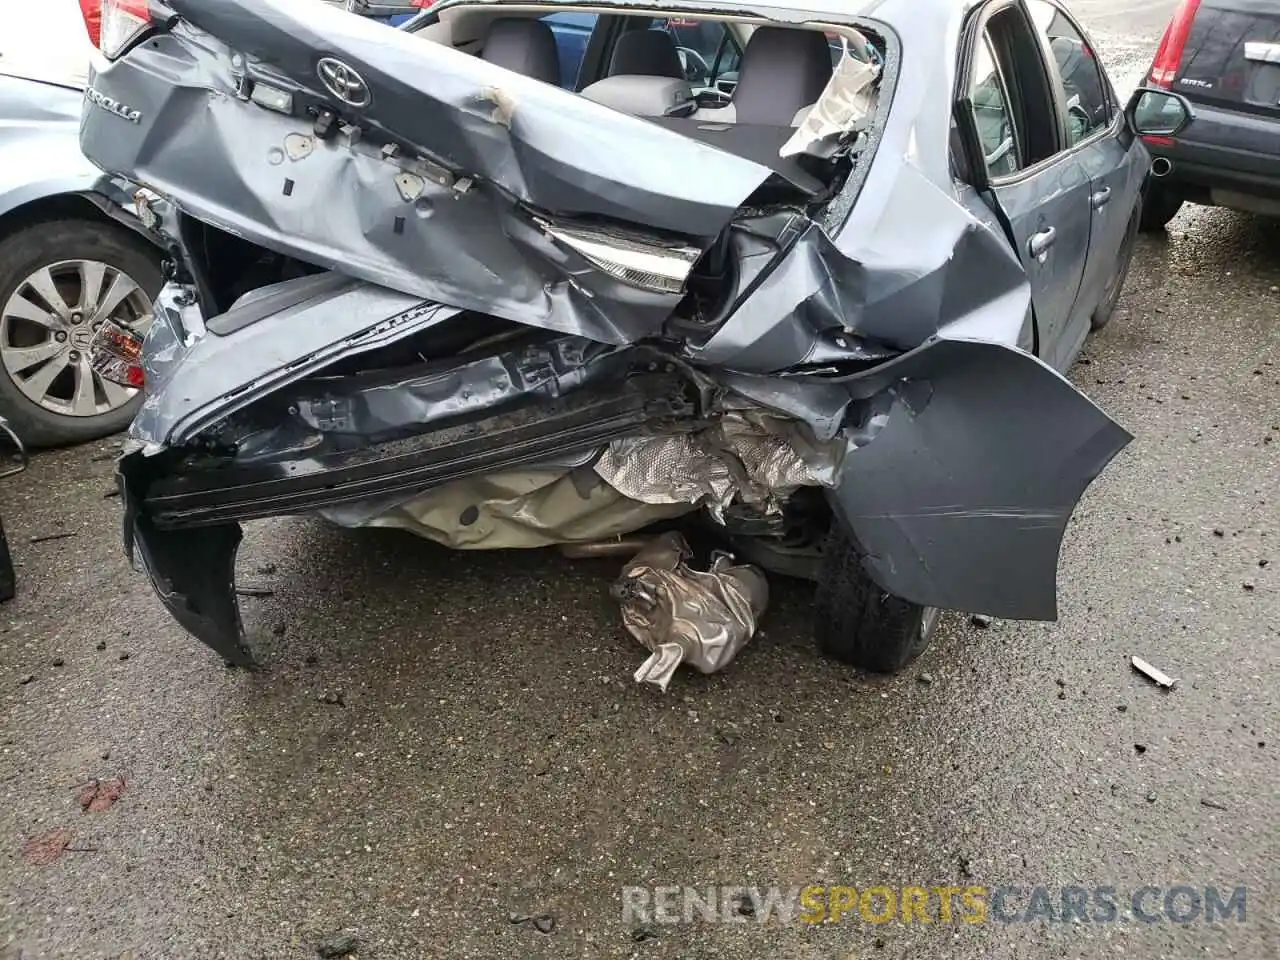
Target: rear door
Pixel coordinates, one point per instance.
(1039, 186)
(1095, 131)
(1232, 56)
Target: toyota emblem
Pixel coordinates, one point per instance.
(343, 82)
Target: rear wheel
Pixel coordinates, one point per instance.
(856, 622)
(59, 282)
(1158, 208)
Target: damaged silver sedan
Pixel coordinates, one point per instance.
(815, 285)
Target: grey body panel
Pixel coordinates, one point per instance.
(1052, 202)
(957, 538)
(40, 155)
(1116, 176)
(893, 314)
(41, 159)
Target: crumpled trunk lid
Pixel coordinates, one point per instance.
(440, 187)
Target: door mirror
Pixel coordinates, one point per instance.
(1158, 113)
(13, 456)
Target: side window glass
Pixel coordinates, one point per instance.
(572, 31)
(708, 51)
(1082, 84)
(993, 114)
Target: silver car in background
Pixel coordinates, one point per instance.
(72, 256)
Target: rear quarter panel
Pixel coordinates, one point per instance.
(39, 143)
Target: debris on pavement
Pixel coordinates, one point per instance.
(981, 620)
(255, 592)
(1158, 677)
(99, 796)
(42, 850)
(543, 922)
(333, 698)
(26, 678)
(1213, 804)
(45, 538)
(340, 946)
(687, 616)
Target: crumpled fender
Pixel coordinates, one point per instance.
(962, 498)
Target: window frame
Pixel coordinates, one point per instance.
(1115, 115)
(975, 31)
(1015, 124)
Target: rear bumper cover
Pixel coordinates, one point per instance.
(1225, 150)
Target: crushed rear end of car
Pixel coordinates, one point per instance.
(414, 288)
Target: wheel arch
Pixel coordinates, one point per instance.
(42, 202)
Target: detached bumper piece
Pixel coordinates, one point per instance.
(182, 511)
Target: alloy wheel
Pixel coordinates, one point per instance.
(47, 328)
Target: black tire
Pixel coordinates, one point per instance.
(1115, 286)
(1159, 206)
(26, 251)
(856, 622)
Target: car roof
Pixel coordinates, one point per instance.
(45, 40)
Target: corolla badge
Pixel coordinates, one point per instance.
(343, 82)
(111, 105)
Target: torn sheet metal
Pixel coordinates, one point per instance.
(844, 106)
(887, 294)
(683, 615)
(514, 510)
(375, 406)
(314, 321)
(746, 455)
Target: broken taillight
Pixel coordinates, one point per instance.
(116, 355)
(123, 21)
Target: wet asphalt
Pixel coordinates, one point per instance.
(438, 741)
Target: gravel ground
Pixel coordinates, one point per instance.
(437, 741)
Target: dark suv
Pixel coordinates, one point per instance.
(1224, 57)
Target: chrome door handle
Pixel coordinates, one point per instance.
(1041, 242)
(1102, 198)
